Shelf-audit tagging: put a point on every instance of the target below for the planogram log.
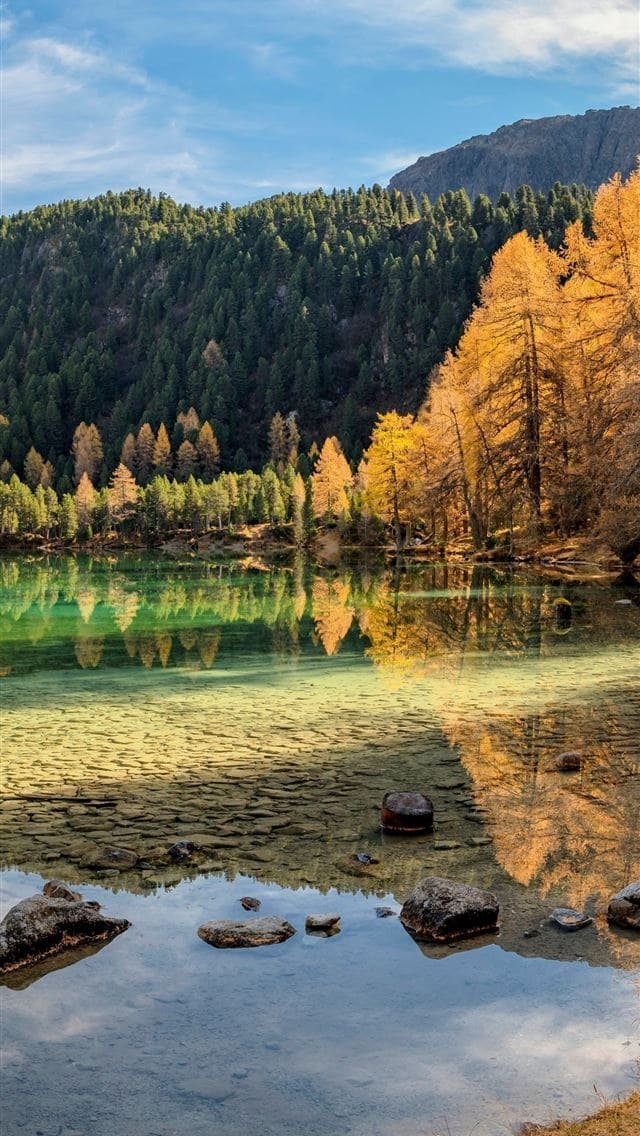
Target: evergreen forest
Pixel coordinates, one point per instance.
(130, 311)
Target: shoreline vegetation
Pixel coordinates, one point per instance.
(619, 1118)
(529, 435)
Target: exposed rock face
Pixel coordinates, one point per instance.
(43, 925)
(624, 907)
(443, 911)
(587, 149)
(406, 812)
(259, 932)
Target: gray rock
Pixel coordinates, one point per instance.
(107, 857)
(43, 925)
(326, 924)
(385, 912)
(443, 911)
(260, 932)
(569, 919)
(56, 889)
(624, 907)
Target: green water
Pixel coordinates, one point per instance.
(264, 714)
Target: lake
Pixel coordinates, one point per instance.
(263, 714)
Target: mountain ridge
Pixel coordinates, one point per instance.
(585, 149)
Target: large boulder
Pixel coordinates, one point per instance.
(260, 932)
(44, 925)
(624, 907)
(407, 812)
(442, 911)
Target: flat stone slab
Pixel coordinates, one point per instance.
(624, 907)
(407, 812)
(442, 911)
(44, 925)
(569, 919)
(260, 932)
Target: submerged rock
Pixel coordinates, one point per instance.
(443, 911)
(249, 903)
(260, 932)
(364, 858)
(406, 812)
(624, 907)
(59, 890)
(108, 857)
(322, 924)
(43, 925)
(569, 919)
(385, 912)
(570, 762)
(182, 850)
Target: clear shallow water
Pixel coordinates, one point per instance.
(268, 712)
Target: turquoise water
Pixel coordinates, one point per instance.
(266, 713)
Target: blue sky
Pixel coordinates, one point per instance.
(213, 100)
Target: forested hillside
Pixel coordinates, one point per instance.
(128, 309)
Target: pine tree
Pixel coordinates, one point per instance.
(123, 494)
(145, 445)
(162, 451)
(87, 451)
(208, 451)
(331, 481)
(33, 468)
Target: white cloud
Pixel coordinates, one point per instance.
(76, 117)
(501, 34)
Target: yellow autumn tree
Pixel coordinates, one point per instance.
(331, 482)
(396, 468)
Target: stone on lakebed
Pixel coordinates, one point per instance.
(624, 907)
(569, 919)
(325, 925)
(107, 857)
(407, 812)
(260, 932)
(43, 925)
(442, 911)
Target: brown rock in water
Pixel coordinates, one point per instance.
(56, 889)
(107, 857)
(322, 924)
(249, 903)
(182, 850)
(42, 925)
(443, 911)
(570, 762)
(260, 932)
(624, 907)
(408, 812)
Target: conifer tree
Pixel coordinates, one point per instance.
(162, 451)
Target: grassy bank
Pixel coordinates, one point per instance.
(620, 1119)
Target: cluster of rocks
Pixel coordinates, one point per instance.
(264, 930)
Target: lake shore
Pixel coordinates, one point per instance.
(617, 1119)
